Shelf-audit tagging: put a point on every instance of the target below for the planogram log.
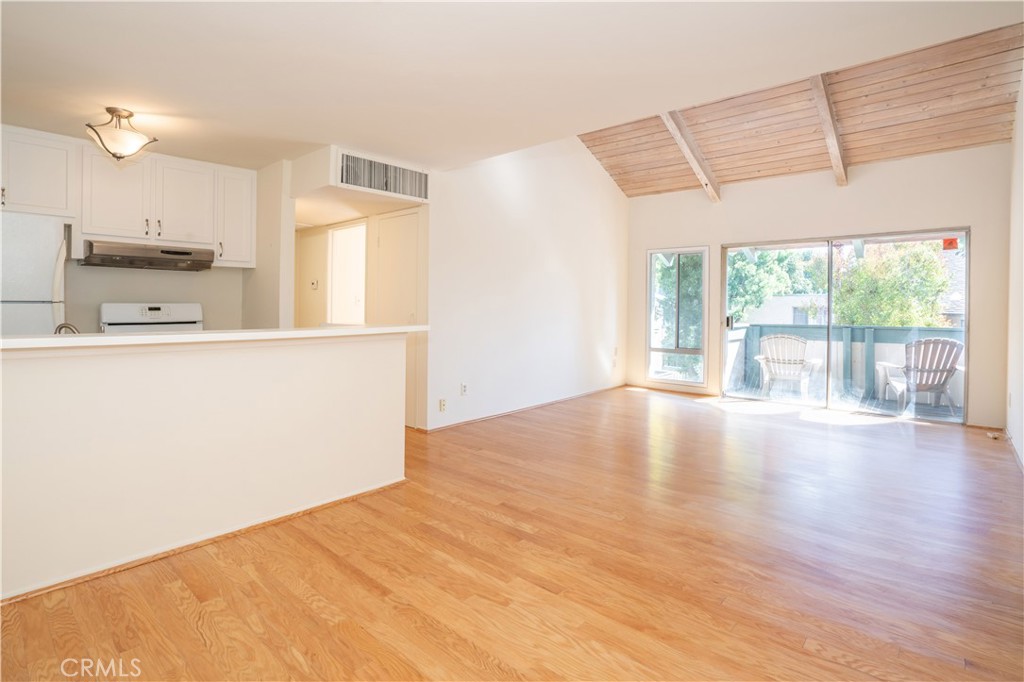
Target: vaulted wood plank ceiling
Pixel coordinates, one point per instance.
(949, 96)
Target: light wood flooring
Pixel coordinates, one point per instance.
(623, 535)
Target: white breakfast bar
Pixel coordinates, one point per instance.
(117, 448)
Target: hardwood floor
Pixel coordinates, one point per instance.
(623, 535)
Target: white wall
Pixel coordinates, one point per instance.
(219, 290)
(118, 453)
(779, 309)
(311, 264)
(268, 290)
(965, 188)
(1015, 317)
(527, 282)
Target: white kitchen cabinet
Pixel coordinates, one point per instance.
(183, 200)
(116, 196)
(150, 198)
(155, 198)
(236, 218)
(42, 173)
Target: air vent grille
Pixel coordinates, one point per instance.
(382, 176)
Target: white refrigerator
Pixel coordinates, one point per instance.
(33, 250)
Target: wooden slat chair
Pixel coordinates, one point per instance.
(784, 358)
(930, 365)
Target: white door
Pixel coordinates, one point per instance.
(346, 302)
(397, 271)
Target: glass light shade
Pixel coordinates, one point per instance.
(118, 141)
(118, 137)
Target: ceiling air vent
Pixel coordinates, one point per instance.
(381, 176)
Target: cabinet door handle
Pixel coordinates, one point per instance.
(3, 196)
(221, 254)
(159, 228)
(147, 227)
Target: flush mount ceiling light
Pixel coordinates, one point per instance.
(118, 137)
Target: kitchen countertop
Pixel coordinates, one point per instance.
(211, 336)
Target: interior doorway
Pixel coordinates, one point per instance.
(871, 324)
(346, 279)
(369, 271)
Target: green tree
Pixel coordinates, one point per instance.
(678, 310)
(892, 285)
(756, 276)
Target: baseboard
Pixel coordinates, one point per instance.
(1016, 452)
(185, 548)
(521, 409)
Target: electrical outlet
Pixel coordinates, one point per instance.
(463, 389)
(442, 405)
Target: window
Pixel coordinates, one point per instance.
(677, 282)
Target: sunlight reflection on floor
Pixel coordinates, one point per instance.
(739, 406)
(837, 418)
(817, 415)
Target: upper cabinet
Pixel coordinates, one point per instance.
(236, 216)
(157, 198)
(147, 198)
(183, 200)
(116, 196)
(41, 173)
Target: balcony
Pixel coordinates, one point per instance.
(857, 370)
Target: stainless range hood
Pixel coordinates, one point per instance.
(146, 256)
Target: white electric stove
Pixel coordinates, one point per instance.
(125, 318)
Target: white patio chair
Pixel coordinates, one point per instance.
(784, 358)
(930, 365)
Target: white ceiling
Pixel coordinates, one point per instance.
(429, 84)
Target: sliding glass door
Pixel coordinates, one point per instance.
(899, 317)
(873, 324)
(776, 301)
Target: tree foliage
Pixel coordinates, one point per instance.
(892, 285)
(889, 285)
(756, 276)
(678, 310)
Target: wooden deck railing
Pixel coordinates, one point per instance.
(750, 337)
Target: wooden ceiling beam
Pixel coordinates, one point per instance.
(820, 94)
(691, 150)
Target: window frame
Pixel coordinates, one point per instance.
(705, 252)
